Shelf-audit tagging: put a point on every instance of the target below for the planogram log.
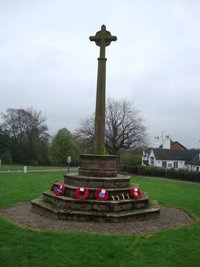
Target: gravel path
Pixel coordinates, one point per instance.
(22, 215)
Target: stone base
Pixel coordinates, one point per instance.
(98, 165)
(96, 172)
(95, 205)
(119, 181)
(47, 209)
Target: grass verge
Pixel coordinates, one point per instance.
(20, 247)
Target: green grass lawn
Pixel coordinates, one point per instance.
(14, 167)
(21, 247)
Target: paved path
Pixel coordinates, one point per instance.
(22, 215)
(41, 170)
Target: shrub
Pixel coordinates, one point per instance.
(162, 172)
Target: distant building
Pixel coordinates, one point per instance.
(171, 154)
(166, 142)
(194, 164)
(188, 159)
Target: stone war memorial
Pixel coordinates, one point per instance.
(97, 193)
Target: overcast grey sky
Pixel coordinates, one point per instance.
(47, 61)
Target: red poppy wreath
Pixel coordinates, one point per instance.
(102, 194)
(81, 193)
(60, 190)
(135, 192)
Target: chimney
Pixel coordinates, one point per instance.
(156, 142)
(166, 142)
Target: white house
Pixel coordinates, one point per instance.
(194, 164)
(188, 159)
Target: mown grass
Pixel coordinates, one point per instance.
(21, 247)
(173, 193)
(15, 167)
(20, 187)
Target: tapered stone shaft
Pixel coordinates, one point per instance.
(102, 38)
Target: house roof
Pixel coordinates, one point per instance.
(177, 146)
(169, 154)
(195, 161)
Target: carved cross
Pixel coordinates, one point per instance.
(103, 38)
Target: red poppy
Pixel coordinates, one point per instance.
(81, 193)
(135, 192)
(102, 194)
(60, 190)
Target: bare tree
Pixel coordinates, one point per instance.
(28, 132)
(84, 135)
(123, 125)
(20, 122)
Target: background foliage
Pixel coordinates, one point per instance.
(24, 137)
(161, 172)
(64, 145)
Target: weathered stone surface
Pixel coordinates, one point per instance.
(92, 204)
(102, 38)
(115, 193)
(119, 181)
(98, 165)
(47, 209)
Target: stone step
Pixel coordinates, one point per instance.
(47, 209)
(120, 181)
(115, 193)
(95, 205)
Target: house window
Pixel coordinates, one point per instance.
(152, 161)
(145, 162)
(169, 165)
(175, 164)
(197, 169)
(164, 164)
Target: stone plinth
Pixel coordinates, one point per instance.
(119, 181)
(50, 210)
(95, 205)
(98, 165)
(96, 171)
(120, 206)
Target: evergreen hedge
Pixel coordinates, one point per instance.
(162, 172)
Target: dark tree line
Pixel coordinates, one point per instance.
(24, 136)
(24, 139)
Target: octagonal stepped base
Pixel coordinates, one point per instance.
(47, 209)
(120, 206)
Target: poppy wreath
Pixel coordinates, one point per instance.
(60, 190)
(135, 192)
(102, 194)
(81, 193)
(52, 186)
